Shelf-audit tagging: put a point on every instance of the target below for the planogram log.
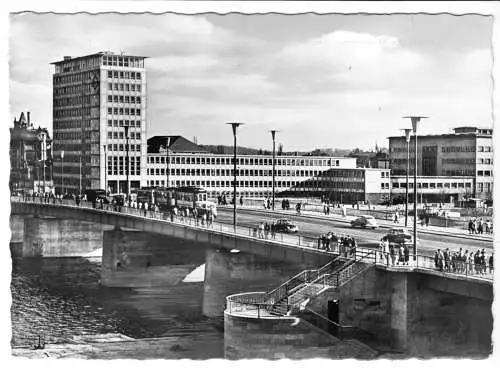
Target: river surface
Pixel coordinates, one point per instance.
(58, 295)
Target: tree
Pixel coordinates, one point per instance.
(280, 149)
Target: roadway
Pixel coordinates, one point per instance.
(310, 227)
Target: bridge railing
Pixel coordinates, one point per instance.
(468, 269)
(464, 269)
(249, 304)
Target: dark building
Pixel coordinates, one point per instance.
(30, 157)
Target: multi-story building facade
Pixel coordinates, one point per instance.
(30, 157)
(186, 164)
(98, 101)
(464, 158)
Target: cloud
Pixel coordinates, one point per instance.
(320, 86)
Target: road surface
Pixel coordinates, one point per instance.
(314, 227)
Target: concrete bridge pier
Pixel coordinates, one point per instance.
(38, 235)
(229, 273)
(125, 257)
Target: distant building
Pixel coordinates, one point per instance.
(30, 157)
(457, 166)
(97, 99)
(186, 164)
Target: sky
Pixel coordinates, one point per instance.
(323, 81)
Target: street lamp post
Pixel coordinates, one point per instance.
(168, 162)
(127, 160)
(407, 137)
(234, 126)
(62, 172)
(105, 169)
(273, 134)
(44, 158)
(414, 123)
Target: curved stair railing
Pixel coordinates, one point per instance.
(310, 283)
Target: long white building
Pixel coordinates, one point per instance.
(186, 164)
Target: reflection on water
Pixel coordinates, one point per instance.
(57, 295)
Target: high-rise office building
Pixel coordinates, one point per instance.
(98, 101)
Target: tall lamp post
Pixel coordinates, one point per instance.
(168, 162)
(273, 134)
(407, 137)
(234, 126)
(105, 169)
(414, 123)
(127, 160)
(62, 172)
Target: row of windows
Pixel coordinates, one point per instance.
(458, 161)
(127, 87)
(487, 161)
(121, 147)
(459, 172)
(485, 173)
(242, 161)
(484, 149)
(121, 123)
(124, 99)
(73, 78)
(433, 185)
(121, 135)
(76, 100)
(124, 74)
(126, 61)
(458, 149)
(93, 112)
(225, 172)
(484, 187)
(86, 135)
(123, 111)
(445, 149)
(252, 184)
(75, 65)
(73, 90)
(117, 165)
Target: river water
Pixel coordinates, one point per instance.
(57, 295)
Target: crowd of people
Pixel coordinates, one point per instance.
(463, 261)
(265, 230)
(394, 254)
(480, 227)
(345, 244)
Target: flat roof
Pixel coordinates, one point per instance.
(458, 135)
(100, 53)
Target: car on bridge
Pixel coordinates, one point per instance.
(398, 236)
(365, 221)
(286, 226)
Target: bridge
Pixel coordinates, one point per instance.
(284, 247)
(373, 300)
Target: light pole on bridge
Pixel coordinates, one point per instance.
(235, 127)
(414, 122)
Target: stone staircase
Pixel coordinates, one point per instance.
(310, 283)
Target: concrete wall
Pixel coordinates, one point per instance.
(283, 338)
(229, 273)
(422, 315)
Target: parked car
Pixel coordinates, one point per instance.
(286, 226)
(365, 221)
(398, 236)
